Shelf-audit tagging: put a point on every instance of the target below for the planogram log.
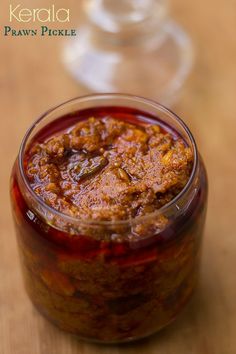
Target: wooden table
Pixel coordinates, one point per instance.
(33, 79)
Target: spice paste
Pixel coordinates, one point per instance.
(109, 169)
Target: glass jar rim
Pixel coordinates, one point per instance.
(91, 222)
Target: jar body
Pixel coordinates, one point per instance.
(105, 282)
(106, 290)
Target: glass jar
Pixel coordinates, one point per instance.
(130, 45)
(101, 280)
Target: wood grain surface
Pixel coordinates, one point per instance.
(32, 79)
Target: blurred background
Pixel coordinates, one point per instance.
(33, 78)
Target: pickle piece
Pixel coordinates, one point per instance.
(88, 167)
